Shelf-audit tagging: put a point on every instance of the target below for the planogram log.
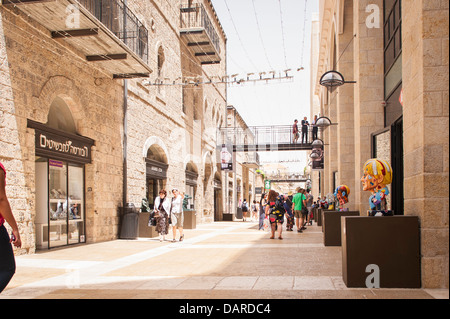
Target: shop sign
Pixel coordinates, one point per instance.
(61, 145)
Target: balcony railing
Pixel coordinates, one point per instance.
(105, 31)
(195, 20)
(120, 20)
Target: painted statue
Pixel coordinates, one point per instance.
(377, 175)
(341, 194)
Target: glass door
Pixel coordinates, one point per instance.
(76, 204)
(57, 187)
(66, 204)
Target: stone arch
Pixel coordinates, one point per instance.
(157, 147)
(60, 87)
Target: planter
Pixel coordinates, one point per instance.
(144, 230)
(190, 219)
(331, 226)
(387, 247)
(228, 217)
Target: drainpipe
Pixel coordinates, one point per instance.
(125, 106)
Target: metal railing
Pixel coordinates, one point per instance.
(259, 135)
(195, 16)
(119, 19)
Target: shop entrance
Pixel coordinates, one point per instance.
(61, 156)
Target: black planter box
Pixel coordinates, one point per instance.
(331, 226)
(391, 243)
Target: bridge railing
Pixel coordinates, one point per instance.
(258, 135)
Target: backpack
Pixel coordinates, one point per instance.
(279, 206)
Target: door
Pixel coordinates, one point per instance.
(397, 167)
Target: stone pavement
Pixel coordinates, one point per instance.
(221, 260)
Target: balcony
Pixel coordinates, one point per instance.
(198, 32)
(105, 31)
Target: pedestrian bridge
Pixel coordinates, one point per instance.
(266, 138)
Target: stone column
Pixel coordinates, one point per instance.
(368, 91)
(425, 119)
(345, 105)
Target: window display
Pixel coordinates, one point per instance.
(60, 211)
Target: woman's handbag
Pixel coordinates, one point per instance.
(152, 219)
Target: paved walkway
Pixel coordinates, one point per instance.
(222, 260)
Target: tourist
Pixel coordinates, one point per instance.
(275, 211)
(295, 133)
(262, 209)
(309, 203)
(315, 128)
(254, 209)
(162, 210)
(289, 213)
(7, 262)
(305, 125)
(176, 214)
(244, 209)
(297, 203)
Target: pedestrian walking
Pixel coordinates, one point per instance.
(244, 209)
(297, 203)
(309, 203)
(275, 210)
(7, 261)
(176, 214)
(162, 211)
(254, 209)
(262, 210)
(295, 133)
(305, 125)
(289, 213)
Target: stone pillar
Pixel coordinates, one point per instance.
(368, 91)
(426, 135)
(345, 105)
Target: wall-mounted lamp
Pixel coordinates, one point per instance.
(333, 79)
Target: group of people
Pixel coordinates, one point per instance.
(169, 212)
(305, 127)
(274, 207)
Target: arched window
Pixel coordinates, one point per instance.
(60, 117)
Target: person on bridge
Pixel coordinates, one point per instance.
(7, 262)
(305, 125)
(295, 133)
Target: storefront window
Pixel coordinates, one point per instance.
(60, 212)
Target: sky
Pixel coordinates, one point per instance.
(264, 36)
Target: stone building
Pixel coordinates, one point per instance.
(396, 52)
(103, 103)
(243, 180)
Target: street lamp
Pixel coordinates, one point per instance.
(323, 122)
(333, 79)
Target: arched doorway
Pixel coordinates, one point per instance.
(61, 155)
(156, 172)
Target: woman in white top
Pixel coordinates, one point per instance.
(177, 213)
(162, 210)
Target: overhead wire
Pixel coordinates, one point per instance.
(282, 34)
(260, 35)
(239, 37)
